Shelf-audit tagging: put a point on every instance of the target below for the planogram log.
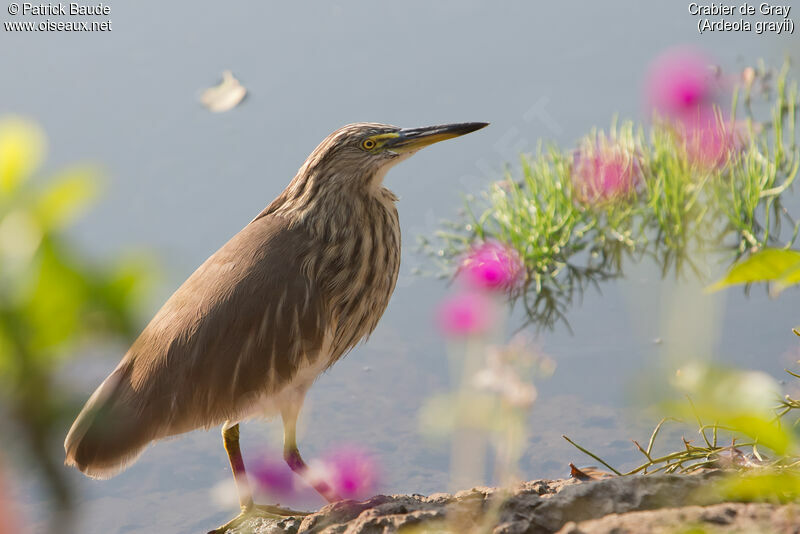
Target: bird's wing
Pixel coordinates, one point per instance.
(241, 326)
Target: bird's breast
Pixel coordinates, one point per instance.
(359, 272)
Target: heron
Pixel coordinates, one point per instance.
(252, 328)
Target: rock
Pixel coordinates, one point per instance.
(620, 495)
(619, 505)
(715, 519)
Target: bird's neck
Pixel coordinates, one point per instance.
(328, 208)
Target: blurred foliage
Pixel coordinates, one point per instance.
(743, 427)
(53, 299)
(737, 404)
(716, 191)
(486, 415)
(740, 403)
(772, 486)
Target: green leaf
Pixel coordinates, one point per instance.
(66, 198)
(768, 265)
(8, 357)
(52, 310)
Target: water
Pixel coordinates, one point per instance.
(181, 181)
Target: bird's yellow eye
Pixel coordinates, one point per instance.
(368, 144)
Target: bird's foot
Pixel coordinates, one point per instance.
(254, 513)
(280, 511)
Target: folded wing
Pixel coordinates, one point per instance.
(240, 327)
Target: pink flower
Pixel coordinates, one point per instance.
(352, 472)
(465, 314)
(604, 171)
(680, 82)
(492, 265)
(710, 140)
(274, 476)
(682, 89)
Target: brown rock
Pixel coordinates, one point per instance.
(740, 518)
(620, 505)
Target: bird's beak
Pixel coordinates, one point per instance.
(412, 139)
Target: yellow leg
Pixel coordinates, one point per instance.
(292, 454)
(250, 511)
(230, 439)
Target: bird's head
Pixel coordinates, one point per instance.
(358, 155)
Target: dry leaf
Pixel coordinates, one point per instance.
(225, 96)
(587, 473)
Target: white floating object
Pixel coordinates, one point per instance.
(225, 96)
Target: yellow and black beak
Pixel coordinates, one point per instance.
(412, 139)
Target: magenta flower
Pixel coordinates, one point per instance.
(274, 477)
(680, 83)
(682, 89)
(465, 314)
(352, 472)
(492, 266)
(710, 140)
(604, 171)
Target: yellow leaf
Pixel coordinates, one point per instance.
(20, 237)
(769, 433)
(771, 485)
(767, 265)
(22, 146)
(789, 278)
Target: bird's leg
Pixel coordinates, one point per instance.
(230, 439)
(250, 511)
(292, 455)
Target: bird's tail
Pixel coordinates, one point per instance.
(107, 437)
